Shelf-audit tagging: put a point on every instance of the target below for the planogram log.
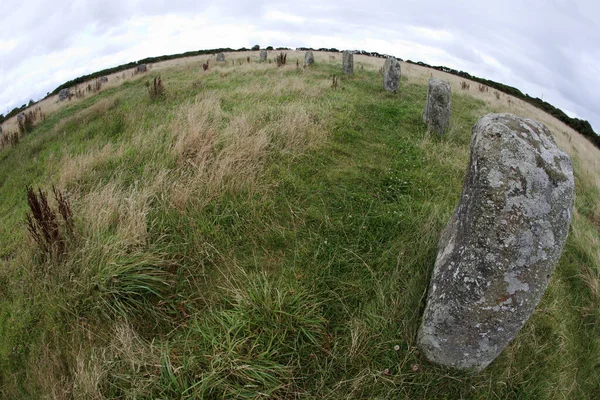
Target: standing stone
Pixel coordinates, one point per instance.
(63, 94)
(221, 57)
(437, 106)
(391, 74)
(309, 59)
(104, 79)
(141, 68)
(263, 55)
(497, 253)
(348, 62)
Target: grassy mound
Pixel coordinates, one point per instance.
(253, 232)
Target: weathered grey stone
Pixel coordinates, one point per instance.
(263, 55)
(103, 79)
(348, 62)
(391, 74)
(63, 94)
(221, 57)
(437, 106)
(309, 58)
(21, 117)
(497, 253)
(141, 68)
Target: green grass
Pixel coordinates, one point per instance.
(303, 278)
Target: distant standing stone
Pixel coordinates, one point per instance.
(263, 55)
(497, 253)
(437, 106)
(348, 62)
(309, 59)
(221, 57)
(391, 74)
(104, 79)
(63, 94)
(141, 68)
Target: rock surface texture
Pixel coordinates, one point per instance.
(142, 68)
(497, 253)
(391, 74)
(263, 55)
(348, 62)
(220, 57)
(309, 59)
(63, 94)
(437, 106)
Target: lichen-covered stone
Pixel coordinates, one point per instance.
(497, 253)
(220, 57)
(141, 68)
(263, 55)
(309, 59)
(348, 62)
(391, 74)
(63, 94)
(437, 106)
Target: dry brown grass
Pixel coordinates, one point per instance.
(228, 152)
(114, 207)
(74, 168)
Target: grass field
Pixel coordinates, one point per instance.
(255, 233)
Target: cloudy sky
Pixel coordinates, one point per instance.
(546, 48)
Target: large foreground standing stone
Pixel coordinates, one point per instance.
(348, 62)
(309, 59)
(437, 106)
(391, 74)
(220, 57)
(263, 55)
(497, 253)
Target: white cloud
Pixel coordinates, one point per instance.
(281, 16)
(7, 45)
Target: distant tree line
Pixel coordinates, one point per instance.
(581, 126)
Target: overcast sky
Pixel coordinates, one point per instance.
(548, 49)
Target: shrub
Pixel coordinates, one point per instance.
(156, 88)
(205, 65)
(9, 139)
(465, 86)
(25, 122)
(44, 225)
(281, 59)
